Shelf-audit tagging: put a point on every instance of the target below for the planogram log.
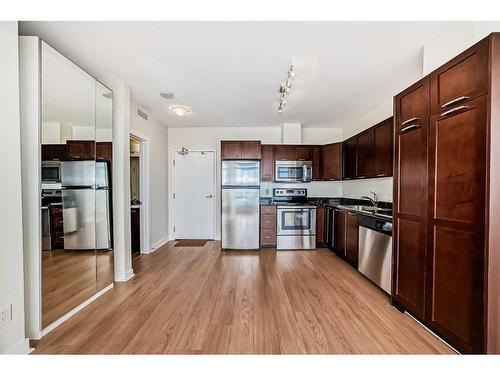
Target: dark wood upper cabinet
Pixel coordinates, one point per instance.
(351, 238)
(383, 148)
(365, 153)
(230, 150)
(410, 197)
(284, 152)
(332, 161)
(350, 159)
(457, 197)
(104, 151)
(302, 153)
(267, 163)
(240, 150)
(317, 163)
(250, 150)
(54, 152)
(81, 150)
(463, 78)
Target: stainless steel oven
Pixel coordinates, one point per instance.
(296, 227)
(293, 171)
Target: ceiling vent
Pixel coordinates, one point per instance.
(142, 114)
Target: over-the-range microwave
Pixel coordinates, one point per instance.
(293, 171)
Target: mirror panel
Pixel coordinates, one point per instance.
(68, 177)
(104, 158)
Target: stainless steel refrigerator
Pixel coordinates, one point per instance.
(240, 204)
(85, 197)
(102, 202)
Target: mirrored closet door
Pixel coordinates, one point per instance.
(76, 159)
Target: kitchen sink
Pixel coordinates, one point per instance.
(368, 209)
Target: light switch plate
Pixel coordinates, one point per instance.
(5, 314)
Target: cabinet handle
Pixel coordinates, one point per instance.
(361, 176)
(456, 100)
(409, 127)
(381, 175)
(453, 110)
(409, 120)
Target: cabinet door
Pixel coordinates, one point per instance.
(339, 233)
(352, 230)
(302, 153)
(457, 188)
(320, 225)
(250, 150)
(230, 150)
(349, 160)
(104, 151)
(267, 163)
(365, 160)
(463, 78)
(81, 150)
(317, 163)
(284, 152)
(410, 197)
(54, 152)
(332, 161)
(383, 143)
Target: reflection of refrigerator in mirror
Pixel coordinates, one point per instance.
(79, 204)
(102, 198)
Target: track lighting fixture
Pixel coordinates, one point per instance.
(285, 88)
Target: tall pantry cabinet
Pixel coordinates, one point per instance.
(446, 195)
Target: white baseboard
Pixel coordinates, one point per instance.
(69, 314)
(21, 347)
(159, 244)
(122, 277)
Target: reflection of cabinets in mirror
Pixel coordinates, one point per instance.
(69, 121)
(81, 150)
(104, 151)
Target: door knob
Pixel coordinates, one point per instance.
(209, 196)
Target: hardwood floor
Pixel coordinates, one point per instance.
(200, 300)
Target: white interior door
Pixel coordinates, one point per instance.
(194, 195)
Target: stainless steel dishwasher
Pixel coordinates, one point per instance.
(375, 250)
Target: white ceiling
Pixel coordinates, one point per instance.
(229, 72)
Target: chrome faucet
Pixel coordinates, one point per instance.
(374, 200)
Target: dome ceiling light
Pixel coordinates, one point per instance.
(285, 88)
(180, 110)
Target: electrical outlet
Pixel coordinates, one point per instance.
(5, 314)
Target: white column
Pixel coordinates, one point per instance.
(12, 337)
(121, 181)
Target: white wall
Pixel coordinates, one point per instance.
(157, 135)
(12, 337)
(453, 40)
(381, 186)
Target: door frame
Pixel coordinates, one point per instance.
(215, 193)
(144, 186)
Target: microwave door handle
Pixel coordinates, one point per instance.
(304, 173)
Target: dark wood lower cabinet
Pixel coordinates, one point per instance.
(268, 226)
(56, 227)
(352, 238)
(339, 221)
(346, 233)
(135, 224)
(320, 226)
